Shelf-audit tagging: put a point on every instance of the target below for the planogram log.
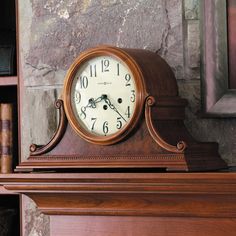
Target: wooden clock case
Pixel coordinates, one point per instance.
(158, 140)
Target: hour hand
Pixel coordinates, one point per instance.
(92, 102)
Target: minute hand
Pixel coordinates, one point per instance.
(108, 102)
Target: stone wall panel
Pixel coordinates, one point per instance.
(54, 32)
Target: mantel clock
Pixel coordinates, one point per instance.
(124, 111)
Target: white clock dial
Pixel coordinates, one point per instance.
(103, 95)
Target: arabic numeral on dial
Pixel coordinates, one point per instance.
(93, 70)
(93, 123)
(77, 97)
(83, 82)
(83, 114)
(127, 78)
(127, 113)
(132, 98)
(105, 128)
(105, 64)
(119, 123)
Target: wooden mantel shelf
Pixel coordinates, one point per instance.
(129, 194)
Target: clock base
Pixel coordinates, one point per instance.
(153, 164)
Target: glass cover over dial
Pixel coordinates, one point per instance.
(103, 95)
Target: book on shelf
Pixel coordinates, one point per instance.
(6, 141)
(7, 52)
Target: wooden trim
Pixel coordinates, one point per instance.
(129, 194)
(20, 88)
(8, 80)
(217, 99)
(4, 191)
(215, 182)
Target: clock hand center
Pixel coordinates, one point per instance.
(108, 102)
(92, 102)
(99, 99)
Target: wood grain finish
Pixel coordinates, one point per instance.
(132, 203)
(140, 226)
(157, 137)
(8, 80)
(147, 194)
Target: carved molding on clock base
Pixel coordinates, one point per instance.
(167, 162)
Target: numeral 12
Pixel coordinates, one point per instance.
(105, 65)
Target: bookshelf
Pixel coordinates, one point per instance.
(9, 202)
(9, 75)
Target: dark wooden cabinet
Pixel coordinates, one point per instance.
(9, 82)
(9, 202)
(140, 204)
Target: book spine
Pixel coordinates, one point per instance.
(6, 137)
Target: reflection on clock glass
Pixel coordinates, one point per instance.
(103, 95)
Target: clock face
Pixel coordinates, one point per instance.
(103, 95)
